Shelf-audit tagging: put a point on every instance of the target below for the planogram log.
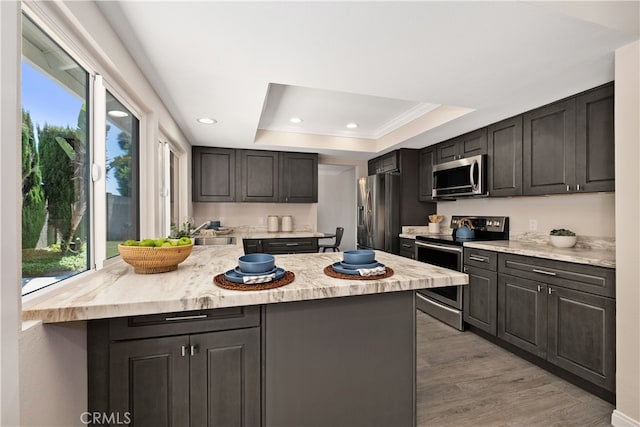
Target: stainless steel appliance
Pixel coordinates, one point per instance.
(379, 212)
(445, 250)
(462, 177)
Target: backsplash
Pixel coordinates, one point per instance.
(254, 215)
(590, 215)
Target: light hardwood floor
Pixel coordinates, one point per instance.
(464, 380)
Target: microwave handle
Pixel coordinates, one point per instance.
(473, 167)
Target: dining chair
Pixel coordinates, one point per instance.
(335, 247)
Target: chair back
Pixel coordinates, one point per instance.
(339, 233)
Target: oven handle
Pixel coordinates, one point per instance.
(454, 249)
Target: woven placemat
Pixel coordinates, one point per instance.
(220, 281)
(329, 271)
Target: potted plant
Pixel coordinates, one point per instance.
(562, 238)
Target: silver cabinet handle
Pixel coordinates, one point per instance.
(292, 244)
(549, 291)
(548, 273)
(478, 258)
(578, 187)
(192, 350)
(539, 288)
(183, 351)
(195, 316)
(568, 187)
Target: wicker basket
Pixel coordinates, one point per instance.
(149, 260)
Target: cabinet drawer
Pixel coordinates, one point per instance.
(481, 258)
(407, 248)
(581, 277)
(290, 246)
(185, 322)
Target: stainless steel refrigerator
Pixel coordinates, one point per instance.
(379, 212)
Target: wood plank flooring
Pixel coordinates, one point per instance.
(464, 380)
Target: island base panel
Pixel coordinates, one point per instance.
(340, 361)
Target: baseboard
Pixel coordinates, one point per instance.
(618, 419)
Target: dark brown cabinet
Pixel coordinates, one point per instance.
(214, 174)
(427, 158)
(561, 312)
(549, 148)
(279, 246)
(383, 164)
(186, 376)
(228, 175)
(480, 298)
(298, 177)
(467, 145)
(258, 176)
(504, 158)
(595, 166)
(408, 248)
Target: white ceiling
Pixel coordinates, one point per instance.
(376, 63)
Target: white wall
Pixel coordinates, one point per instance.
(590, 214)
(53, 365)
(337, 205)
(10, 229)
(255, 214)
(627, 129)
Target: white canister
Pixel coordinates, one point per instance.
(287, 223)
(272, 224)
(434, 228)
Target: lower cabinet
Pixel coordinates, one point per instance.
(480, 299)
(198, 379)
(551, 317)
(281, 246)
(408, 248)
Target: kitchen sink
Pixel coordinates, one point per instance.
(214, 240)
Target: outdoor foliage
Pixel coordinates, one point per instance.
(33, 200)
(122, 165)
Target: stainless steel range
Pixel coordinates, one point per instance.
(446, 250)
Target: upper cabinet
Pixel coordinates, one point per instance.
(258, 176)
(569, 145)
(467, 145)
(427, 158)
(549, 148)
(504, 158)
(298, 177)
(383, 164)
(214, 174)
(595, 170)
(228, 175)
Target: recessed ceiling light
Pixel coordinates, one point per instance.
(296, 120)
(207, 121)
(117, 113)
(352, 125)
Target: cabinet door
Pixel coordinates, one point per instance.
(258, 176)
(150, 380)
(522, 313)
(299, 178)
(582, 335)
(407, 248)
(225, 378)
(505, 157)
(425, 174)
(214, 174)
(549, 149)
(447, 151)
(473, 143)
(595, 169)
(480, 299)
(252, 246)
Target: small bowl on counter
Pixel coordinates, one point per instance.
(256, 263)
(563, 241)
(360, 256)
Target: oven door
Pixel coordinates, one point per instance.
(447, 256)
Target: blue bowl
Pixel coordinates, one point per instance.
(256, 263)
(361, 256)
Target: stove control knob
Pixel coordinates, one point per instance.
(489, 223)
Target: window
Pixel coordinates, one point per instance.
(55, 166)
(122, 174)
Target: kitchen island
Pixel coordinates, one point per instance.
(175, 349)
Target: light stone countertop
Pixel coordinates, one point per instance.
(578, 255)
(117, 291)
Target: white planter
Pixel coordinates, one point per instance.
(563, 241)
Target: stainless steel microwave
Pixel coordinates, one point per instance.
(462, 177)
